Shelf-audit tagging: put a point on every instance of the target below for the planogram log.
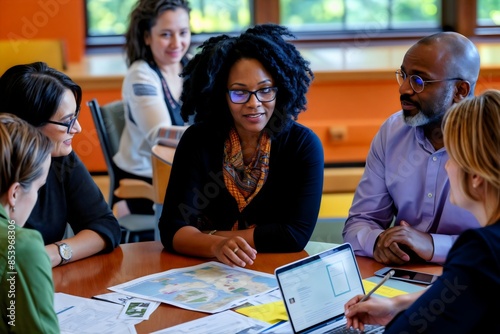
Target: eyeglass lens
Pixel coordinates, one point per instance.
(72, 121)
(263, 95)
(416, 82)
(69, 124)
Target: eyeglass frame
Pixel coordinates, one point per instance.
(250, 93)
(399, 74)
(69, 124)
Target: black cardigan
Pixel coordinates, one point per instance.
(70, 195)
(285, 210)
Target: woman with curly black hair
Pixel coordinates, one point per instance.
(246, 177)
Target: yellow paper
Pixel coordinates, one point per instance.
(384, 290)
(270, 312)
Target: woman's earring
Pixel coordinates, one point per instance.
(13, 208)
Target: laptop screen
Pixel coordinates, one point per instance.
(316, 288)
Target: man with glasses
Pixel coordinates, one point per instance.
(401, 211)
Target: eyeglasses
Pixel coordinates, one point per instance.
(240, 96)
(69, 124)
(416, 82)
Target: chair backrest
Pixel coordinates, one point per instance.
(109, 122)
(162, 158)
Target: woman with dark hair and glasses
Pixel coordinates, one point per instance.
(50, 100)
(246, 177)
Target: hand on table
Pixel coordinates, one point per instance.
(235, 251)
(394, 244)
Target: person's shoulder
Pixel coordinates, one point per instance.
(394, 128)
(477, 249)
(202, 130)
(139, 65)
(301, 128)
(65, 163)
(299, 131)
(29, 242)
(488, 237)
(140, 69)
(198, 132)
(65, 167)
(394, 120)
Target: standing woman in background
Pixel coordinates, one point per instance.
(158, 40)
(26, 288)
(50, 101)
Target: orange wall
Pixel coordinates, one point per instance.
(344, 113)
(354, 110)
(21, 20)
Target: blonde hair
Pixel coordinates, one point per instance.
(23, 150)
(472, 139)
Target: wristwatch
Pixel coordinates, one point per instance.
(65, 252)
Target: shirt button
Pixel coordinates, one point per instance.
(429, 195)
(434, 158)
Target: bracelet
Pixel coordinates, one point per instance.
(212, 232)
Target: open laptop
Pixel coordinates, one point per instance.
(315, 290)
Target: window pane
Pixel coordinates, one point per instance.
(110, 17)
(373, 15)
(308, 15)
(368, 15)
(488, 12)
(216, 16)
(416, 14)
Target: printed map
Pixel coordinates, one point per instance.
(210, 287)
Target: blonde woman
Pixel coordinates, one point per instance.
(26, 288)
(459, 300)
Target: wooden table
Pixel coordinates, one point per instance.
(93, 275)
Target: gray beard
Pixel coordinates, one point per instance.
(418, 120)
(421, 119)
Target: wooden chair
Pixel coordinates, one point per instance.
(162, 157)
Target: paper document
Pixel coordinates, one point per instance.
(271, 313)
(209, 287)
(84, 315)
(227, 322)
(390, 288)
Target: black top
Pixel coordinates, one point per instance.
(173, 106)
(463, 298)
(284, 211)
(70, 195)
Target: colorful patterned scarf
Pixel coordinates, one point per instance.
(244, 182)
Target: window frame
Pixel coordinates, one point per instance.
(459, 16)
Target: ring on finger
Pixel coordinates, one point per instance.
(236, 250)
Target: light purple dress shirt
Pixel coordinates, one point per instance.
(404, 179)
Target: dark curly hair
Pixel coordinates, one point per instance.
(205, 85)
(142, 18)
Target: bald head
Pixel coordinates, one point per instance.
(456, 53)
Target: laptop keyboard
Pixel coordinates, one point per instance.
(369, 329)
